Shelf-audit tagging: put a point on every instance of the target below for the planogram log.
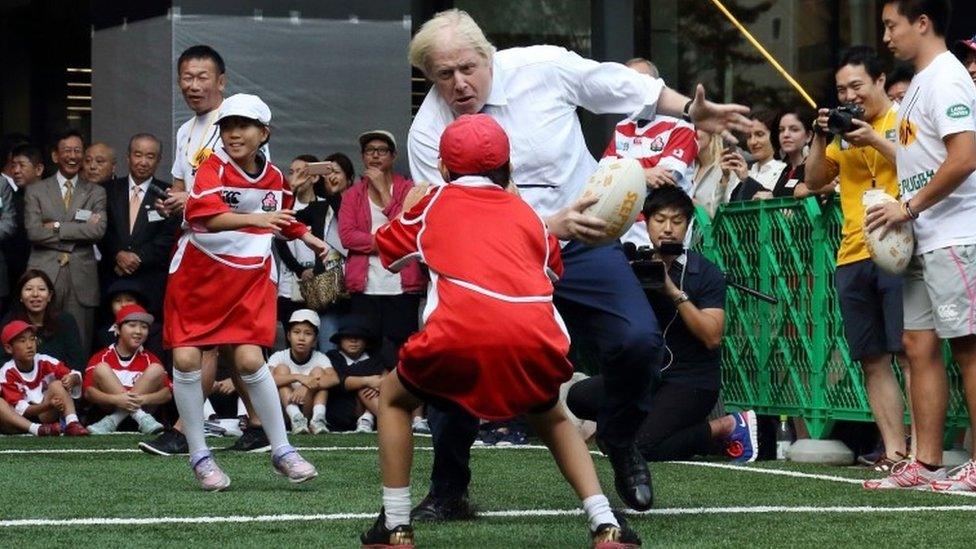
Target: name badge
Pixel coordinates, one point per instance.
(153, 216)
(790, 183)
(83, 215)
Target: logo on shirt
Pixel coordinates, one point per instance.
(678, 153)
(657, 145)
(916, 182)
(231, 198)
(270, 203)
(958, 111)
(906, 132)
(890, 135)
(948, 311)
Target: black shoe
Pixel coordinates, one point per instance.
(608, 536)
(252, 440)
(433, 509)
(170, 443)
(381, 537)
(631, 477)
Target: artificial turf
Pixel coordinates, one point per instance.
(131, 484)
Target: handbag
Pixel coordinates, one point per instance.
(326, 288)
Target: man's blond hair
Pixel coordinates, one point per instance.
(449, 27)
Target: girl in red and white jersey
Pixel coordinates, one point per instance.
(221, 289)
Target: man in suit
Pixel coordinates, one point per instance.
(65, 217)
(27, 168)
(138, 239)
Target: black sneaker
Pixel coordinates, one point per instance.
(433, 509)
(252, 440)
(631, 477)
(170, 443)
(608, 536)
(381, 537)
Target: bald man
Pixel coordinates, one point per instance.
(98, 166)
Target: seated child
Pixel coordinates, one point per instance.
(124, 292)
(40, 388)
(354, 379)
(298, 371)
(125, 379)
(493, 344)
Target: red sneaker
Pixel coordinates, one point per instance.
(75, 429)
(49, 430)
(960, 479)
(906, 474)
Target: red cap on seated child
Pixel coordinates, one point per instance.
(132, 312)
(14, 329)
(473, 144)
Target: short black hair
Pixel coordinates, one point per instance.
(864, 56)
(501, 176)
(668, 196)
(67, 134)
(145, 135)
(938, 12)
(30, 151)
(306, 158)
(345, 164)
(201, 51)
(900, 73)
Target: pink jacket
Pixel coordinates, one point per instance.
(355, 224)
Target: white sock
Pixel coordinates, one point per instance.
(138, 414)
(598, 511)
(396, 503)
(267, 406)
(293, 410)
(208, 409)
(33, 428)
(241, 409)
(188, 394)
(318, 411)
(119, 416)
(70, 418)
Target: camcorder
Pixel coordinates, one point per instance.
(841, 119)
(650, 271)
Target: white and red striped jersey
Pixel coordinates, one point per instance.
(22, 389)
(664, 141)
(128, 371)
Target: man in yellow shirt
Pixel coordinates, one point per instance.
(870, 299)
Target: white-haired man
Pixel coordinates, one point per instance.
(533, 94)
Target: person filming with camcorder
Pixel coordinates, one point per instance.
(687, 293)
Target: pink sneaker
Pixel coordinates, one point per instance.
(906, 474)
(960, 479)
(287, 462)
(209, 475)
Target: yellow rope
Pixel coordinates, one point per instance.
(766, 54)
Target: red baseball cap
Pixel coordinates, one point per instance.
(965, 46)
(474, 143)
(132, 312)
(14, 329)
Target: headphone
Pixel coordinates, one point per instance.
(681, 286)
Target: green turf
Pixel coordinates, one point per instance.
(80, 485)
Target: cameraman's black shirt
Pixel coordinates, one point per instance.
(691, 363)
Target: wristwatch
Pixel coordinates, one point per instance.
(686, 112)
(682, 297)
(57, 226)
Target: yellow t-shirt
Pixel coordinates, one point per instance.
(856, 165)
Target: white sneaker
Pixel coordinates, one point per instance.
(365, 424)
(149, 426)
(103, 426)
(420, 426)
(299, 425)
(907, 474)
(960, 479)
(318, 426)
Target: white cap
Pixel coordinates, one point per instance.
(246, 105)
(305, 315)
(383, 135)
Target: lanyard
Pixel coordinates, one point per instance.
(874, 159)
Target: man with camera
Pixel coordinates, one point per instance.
(862, 151)
(687, 293)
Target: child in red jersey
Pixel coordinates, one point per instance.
(124, 378)
(493, 343)
(39, 388)
(221, 289)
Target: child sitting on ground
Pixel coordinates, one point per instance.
(124, 379)
(39, 388)
(354, 379)
(298, 371)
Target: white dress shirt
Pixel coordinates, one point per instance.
(62, 180)
(534, 95)
(143, 187)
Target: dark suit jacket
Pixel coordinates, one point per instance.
(43, 203)
(152, 240)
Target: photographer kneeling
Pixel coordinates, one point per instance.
(687, 293)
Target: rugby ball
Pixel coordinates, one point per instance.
(893, 252)
(620, 189)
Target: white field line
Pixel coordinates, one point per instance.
(763, 509)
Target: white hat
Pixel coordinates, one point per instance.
(305, 315)
(382, 135)
(246, 105)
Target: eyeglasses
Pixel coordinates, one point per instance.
(379, 151)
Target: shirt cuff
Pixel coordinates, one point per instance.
(654, 88)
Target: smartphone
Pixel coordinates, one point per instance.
(320, 168)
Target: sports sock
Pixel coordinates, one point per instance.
(188, 395)
(70, 418)
(33, 428)
(396, 503)
(264, 399)
(139, 414)
(208, 409)
(598, 511)
(293, 410)
(318, 411)
(119, 416)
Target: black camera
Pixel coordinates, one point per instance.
(841, 119)
(159, 189)
(650, 272)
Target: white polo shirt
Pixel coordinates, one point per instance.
(534, 95)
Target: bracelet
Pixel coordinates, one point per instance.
(686, 112)
(681, 299)
(908, 209)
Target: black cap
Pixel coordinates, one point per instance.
(354, 326)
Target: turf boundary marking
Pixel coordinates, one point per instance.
(29, 451)
(763, 509)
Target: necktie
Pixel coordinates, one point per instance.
(67, 195)
(134, 202)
